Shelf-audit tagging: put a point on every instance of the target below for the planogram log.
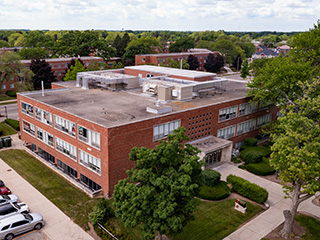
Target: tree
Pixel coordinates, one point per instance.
(120, 44)
(214, 63)
(159, 191)
(36, 52)
(11, 67)
(296, 151)
(245, 69)
(71, 74)
(237, 63)
(193, 62)
(38, 39)
(117, 65)
(42, 72)
(176, 64)
(182, 45)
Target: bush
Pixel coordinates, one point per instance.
(248, 189)
(13, 123)
(218, 192)
(101, 212)
(264, 150)
(262, 169)
(251, 142)
(211, 177)
(253, 157)
(1, 132)
(11, 93)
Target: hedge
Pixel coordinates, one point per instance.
(13, 123)
(11, 93)
(248, 189)
(218, 192)
(264, 150)
(251, 142)
(253, 156)
(211, 177)
(262, 169)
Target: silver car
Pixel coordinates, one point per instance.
(10, 208)
(20, 223)
(8, 198)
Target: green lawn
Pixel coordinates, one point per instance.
(6, 129)
(215, 220)
(5, 103)
(72, 201)
(311, 225)
(5, 98)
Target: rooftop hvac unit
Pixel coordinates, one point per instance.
(175, 93)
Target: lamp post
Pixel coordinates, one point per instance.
(5, 108)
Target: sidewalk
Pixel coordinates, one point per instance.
(271, 218)
(58, 225)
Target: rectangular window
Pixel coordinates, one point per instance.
(67, 169)
(59, 65)
(239, 144)
(45, 137)
(228, 113)
(162, 130)
(66, 148)
(264, 105)
(43, 116)
(27, 108)
(66, 65)
(28, 127)
(263, 120)
(11, 85)
(3, 86)
(247, 108)
(90, 161)
(64, 125)
(246, 126)
(89, 183)
(89, 136)
(226, 133)
(45, 155)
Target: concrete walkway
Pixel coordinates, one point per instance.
(271, 218)
(58, 225)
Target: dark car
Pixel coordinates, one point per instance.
(4, 190)
(1, 183)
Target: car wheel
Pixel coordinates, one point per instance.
(9, 237)
(38, 226)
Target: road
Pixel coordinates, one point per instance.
(12, 111)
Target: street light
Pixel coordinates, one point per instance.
(5, 108)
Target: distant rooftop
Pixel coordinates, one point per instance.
(69, 59)
(206, 51)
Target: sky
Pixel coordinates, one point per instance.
(178, 15)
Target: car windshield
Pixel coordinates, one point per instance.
(27, 216)
(5, 197)
(16, 205)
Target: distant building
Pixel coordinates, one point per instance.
(284, 49)
(264, 53)
(10, 49)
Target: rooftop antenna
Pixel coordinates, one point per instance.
(42, 88)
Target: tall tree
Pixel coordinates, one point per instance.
(35, 52)
(38, 39)
(176, 64)
(42, 72)
(245, 69)
(159, 191)
(71, 74)
(182, 45)
(193, 62)
(214, 63)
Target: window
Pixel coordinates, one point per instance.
(247, 108)
(65, 125)
(11, 85)
(87, 64)
(213, 157)
(66, 148)
(88, 136)
(5, 227)
(264, 105)
(239, 144)
(143, 59)
(228, 113)
(59, 65)
(20, 223)
(46, 156)
(226, 133)
(246, 126)
(263, 120)
(28, 127)
(59, 73)
(45, 137)
(90, 161)
(27, 108)
(43, 116)
(67, 169)
(150, 75)
(162, 130)
(66, 65)
(3, 86)
(89, 183)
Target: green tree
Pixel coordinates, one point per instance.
(96, 66)
(36, 52)
(71, 74)
(11, 66)
(182, 45)
(193, 62)
(296, 151)
(117, 65)
(245, 70)
(159, 191)
(175, 64)
(42, 72)
(214, 63)
(38, 39)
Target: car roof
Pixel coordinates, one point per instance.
(13, 218)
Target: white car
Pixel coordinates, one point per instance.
(9, 209)
(20, 223)
(8, 198)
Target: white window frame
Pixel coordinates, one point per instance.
(226, 133)
(161, 131)
(66, 149)
(246, 126)
(45, 137)
(65, 126)
(93, 138)
(263, 120)
(247, 108)
(90, 162)
(228, 113)
(27, 109)
(28, 128)
(43, 116)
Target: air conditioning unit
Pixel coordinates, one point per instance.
(175, 93)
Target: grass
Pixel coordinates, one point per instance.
(311, 225)
(215, 220)
(5, 103)
(72, 201)
(5, 98)
(6, 129)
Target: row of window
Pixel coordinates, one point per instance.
(162, 130)
(4, 86)
(85, 135)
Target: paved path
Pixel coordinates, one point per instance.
(58, 225)
(271, 218)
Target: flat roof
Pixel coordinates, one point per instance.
(110, 109)
(172, 71)
(69, 59)
(206, 51)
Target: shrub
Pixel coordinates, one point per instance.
(1, 132)
(262, 169)
(251, 142)
(13, 123)
(218, 192)
(211, 177)
(11, 93)
(253, 157)
(248, 189)
(101, 212)
(264, 150)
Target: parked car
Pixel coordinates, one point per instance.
(4, 190)
(8, 198)
(1, 183)
(20, 223)
(10, 208)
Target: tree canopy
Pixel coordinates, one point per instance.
(71, 74)
(42, 72)
(214, 63)
(182, 45)
(193, 62)
(159, 191)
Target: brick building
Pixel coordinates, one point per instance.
(87, 128)
(162, 58)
